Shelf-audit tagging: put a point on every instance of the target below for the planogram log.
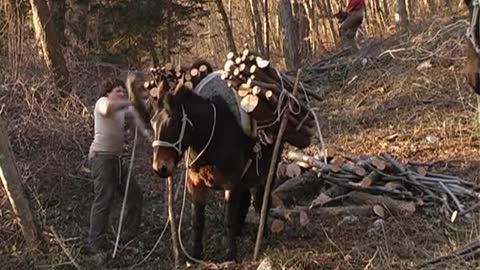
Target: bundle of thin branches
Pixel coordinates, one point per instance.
(383, 175)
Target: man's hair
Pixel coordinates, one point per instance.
(109, 85)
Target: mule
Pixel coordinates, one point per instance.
(472, 65)
(220, 157)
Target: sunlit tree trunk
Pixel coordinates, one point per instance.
(12, 182)
(257, 26)
(290, 27)
(228, 27)
(47, 40)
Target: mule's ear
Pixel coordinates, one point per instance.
(182, 88)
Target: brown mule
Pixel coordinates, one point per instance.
(221, 157)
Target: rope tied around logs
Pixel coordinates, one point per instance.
(289, 98)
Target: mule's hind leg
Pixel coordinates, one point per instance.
(244, 198)
(198, 195)
(258, 202)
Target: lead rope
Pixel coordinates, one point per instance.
(209, 139)
(122, 212)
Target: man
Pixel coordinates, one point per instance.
(351, 21)
(111, 112)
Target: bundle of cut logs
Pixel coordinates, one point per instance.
(266, 93)
(173, 75)
(373, 185)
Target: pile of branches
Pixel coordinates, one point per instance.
(371, 184)
(266, 94)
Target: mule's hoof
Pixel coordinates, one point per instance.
(231, 257)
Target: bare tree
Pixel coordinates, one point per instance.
(290, 27)
(402, 15)
(228, 27)
(57, 10)
(15, 22)
(12, 181)
(51, 50)
(257, 26)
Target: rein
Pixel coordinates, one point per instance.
(178, 144)
(473, 30)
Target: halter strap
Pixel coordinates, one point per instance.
(178, 144)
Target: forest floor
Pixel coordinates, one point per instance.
(397, 92)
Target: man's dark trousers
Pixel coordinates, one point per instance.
(110, 177)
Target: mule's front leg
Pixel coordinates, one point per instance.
(198, 225)
(198, 195)
(231, 222)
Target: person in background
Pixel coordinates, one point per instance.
(111, 114)
(351, 19)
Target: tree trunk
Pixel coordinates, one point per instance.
(76, 22)
(304, 29)
(402, 15)
(57, 10)
(51, 50)
(290, 47)
(257, 27)
(267, 31)
(15, 22)
(12, 182)
(228, 27)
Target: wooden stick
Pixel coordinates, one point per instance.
(271, 173)
(410, 177)
(173, 222)
(64, 248)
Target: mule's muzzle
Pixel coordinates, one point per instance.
(161, 170)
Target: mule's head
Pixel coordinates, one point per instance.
(172, 130)
(472, 64)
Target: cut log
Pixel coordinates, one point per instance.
(352, 168)
(249, 103)
(370, 179)
(277, 226)
(298, 187)
(294, 214)
(297, 156)
(337, 161)
(396, 207)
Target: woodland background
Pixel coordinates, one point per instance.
(54, 55)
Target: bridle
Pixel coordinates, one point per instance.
(178, 144)
(473, 30)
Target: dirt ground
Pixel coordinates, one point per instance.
(393, 95)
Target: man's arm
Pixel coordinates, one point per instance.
(107, 107)
(134, 119)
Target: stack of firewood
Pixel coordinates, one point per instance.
(376, 184)
(266, 93)
(173, 75)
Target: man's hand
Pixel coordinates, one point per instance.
(341, 15)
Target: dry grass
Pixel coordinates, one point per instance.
(365, 105)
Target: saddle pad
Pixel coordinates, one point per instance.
(213, 85)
